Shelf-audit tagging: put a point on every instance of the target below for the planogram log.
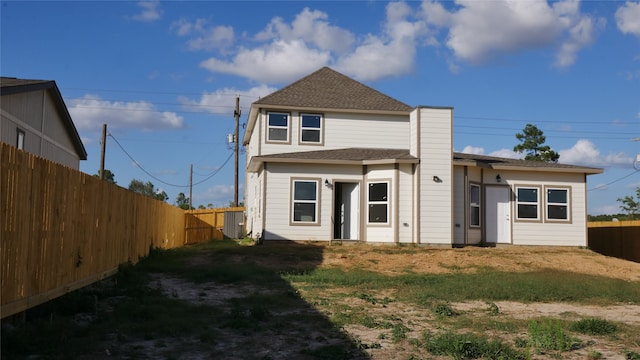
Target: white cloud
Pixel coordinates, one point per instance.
(184, 27)
(278, 62)
(219, 195)
(218, 37)
(90, 112)
(584, 152)
(633, 185)
(150, 11)
(481, 30)
(221, 101)
(473, 150)
(628, 18)
(312, 27)
(606, 210)
(506, 153)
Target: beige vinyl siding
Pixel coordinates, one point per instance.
(278, 199)
(405, 204)
(459, 206)
(436, 198)
(474, 235)
(379, 233)
(343, 130)
(573, 233)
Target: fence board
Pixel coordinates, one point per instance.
(206, 224)
(619, 239)
(62, 229)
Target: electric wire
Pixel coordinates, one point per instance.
(162, 181)
(599, 187)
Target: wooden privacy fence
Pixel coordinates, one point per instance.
(206, 224)
(63, 229)
(619, 239)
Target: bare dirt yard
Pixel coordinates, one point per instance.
(310, 301)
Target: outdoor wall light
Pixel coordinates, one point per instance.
(437, 179)
(326, 182)
(498, 178)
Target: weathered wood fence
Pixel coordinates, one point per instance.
(619, 239)
(63, 229)
(206, 224)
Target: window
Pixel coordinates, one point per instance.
(378, 201)
(557, 204)
(474, 205)
(527, 201)
(20, 140)
(305, 201)
(311, 128)
(278, 127)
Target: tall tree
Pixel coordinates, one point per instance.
(182, 201)
(531, 142)
(108, 176)
(630, 205)
(147, 189)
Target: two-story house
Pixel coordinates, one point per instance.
(34, 118)
(329, 158)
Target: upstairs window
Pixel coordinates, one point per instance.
(528, 203)
(311, 128)
(557, 204)
(378, 201)
(278, 127)
(305, 201)
(474, 205)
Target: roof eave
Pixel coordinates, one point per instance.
(579, 170)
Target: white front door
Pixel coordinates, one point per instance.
(498, 211)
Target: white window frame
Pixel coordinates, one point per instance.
(318, 129)
(294, 201)
(549, 203)
(269, 127)
(473, 205)
(385, 202)
(21, 135)
(537, 203)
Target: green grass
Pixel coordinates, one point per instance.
(594, 326)
(469, 346)
(548, 334)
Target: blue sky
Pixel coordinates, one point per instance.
(164, 75)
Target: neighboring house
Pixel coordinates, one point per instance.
(34, 118)
(329, 158)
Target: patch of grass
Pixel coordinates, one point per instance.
(399, 332)
(493, 308)
(631, 355)
(469, 346)
(443, 310)
(594, 326)
(548, 334)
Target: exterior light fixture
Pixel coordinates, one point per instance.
(437, 179)
(498, 178)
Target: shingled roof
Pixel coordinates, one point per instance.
(499, 163)
(328, 89)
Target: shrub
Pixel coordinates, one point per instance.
(549, 335)
(594, 326)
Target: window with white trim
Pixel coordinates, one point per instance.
(277, 127)
(311, 128)
(378, 202)
(474, 205)
(305, 201)
(527, 203)
(20, 139)
(557, 204)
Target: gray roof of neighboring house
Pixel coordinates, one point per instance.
(500, 163)
(9, 85)
(327, 88)
(366, 156)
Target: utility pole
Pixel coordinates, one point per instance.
(104, 146)
(190, 186)
(236, 114)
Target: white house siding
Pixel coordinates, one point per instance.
(343, 130)
(459, 198)
(544, 232)
(474, 175)
(278, 199)
(436, 197)
(374, 232)
(405, 203)
(253, 202)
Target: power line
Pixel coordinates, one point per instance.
(162, 181)
(613, 182)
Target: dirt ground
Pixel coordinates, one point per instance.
(512, 259)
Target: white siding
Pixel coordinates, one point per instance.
(375, 232)
(253, 202)
(572, 233)
(405, 204)
(459, 223)
(436, 197)
(278, 200)
(343, 130)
